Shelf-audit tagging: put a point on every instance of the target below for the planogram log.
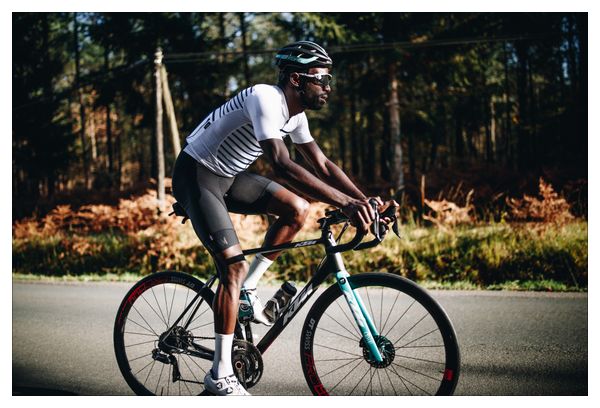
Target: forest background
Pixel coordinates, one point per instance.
(475, 122)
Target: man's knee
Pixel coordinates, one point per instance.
(299, 208)
(235, 274)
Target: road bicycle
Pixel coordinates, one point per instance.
(367, 334)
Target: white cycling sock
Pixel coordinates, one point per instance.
(222, 361)
(259, 266)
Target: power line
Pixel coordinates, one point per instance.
(343, 49)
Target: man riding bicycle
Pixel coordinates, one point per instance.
(211, 179)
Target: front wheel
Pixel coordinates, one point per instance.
(415, 337)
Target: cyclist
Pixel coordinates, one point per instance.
(211, 178)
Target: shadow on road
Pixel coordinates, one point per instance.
(36, 391)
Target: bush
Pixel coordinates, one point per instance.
(133, 237)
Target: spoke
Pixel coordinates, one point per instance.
(202, 325)
(139, 334)
(169, 379)
(200, 315)
(381, 309)
(352, 324)
(340, 367)
(129, 319)
(145, 321)
(187, 294)
(197, 365)
(380, 384)
(159, 378)
(434, 346)
(400, 318)
(370, 305)
(392, 369)
(166, 305)
(391, 383)
(370, 384)
(341, 351)
(422, 359)
(352, 370)
(188, 367)
(390, 313)
(337, 334)
(142, 356)
(172, 300)
(341, 325)
(138, 344)
(159, 308)
(151, 307)
(142, 369)
(149, 372)
(412, 327)
(184, 383)
(360, 380)
(336, 359)
(418, 338)
(416, 372)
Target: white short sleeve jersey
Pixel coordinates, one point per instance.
(226, 141)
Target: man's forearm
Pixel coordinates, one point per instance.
(317, 189)
(335, 177)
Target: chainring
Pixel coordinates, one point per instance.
(247, 363)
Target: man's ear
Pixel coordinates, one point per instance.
(295, 79)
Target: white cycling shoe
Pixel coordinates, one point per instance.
(259, 315)
(226, 386)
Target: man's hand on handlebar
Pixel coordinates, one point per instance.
(362, 214)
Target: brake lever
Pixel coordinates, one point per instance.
(395, 227)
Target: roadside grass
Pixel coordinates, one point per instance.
(495, 256)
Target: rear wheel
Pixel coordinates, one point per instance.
(153, 359)
(416, 339)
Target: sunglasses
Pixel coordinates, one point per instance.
(321, 79)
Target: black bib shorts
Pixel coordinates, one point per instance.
(208, 198)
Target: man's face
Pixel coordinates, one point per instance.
(315, 94)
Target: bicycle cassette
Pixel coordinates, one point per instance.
(247, 363)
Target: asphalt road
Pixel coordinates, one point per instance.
(512, 343)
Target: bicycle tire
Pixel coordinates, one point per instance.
(333, 357)
(133, 324)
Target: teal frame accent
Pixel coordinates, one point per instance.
(361, 316)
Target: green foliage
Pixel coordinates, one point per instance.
(495, 256)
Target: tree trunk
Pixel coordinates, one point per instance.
(245, 48)
(342, 147)
(522, 130)
(395, 136)
(84, 158)
(533, 125)
(109, 142)
(354, 145)
(571, 55)
(508, 112)
(223, 48)
(384, 150)
(371, 156)
(160, 156)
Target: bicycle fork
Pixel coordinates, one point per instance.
(357, 307)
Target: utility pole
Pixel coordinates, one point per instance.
(170, 111)
(160, 157)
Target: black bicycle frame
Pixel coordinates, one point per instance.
(331, 263)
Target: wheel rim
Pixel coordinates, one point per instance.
(416, 357)
(148, 353)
